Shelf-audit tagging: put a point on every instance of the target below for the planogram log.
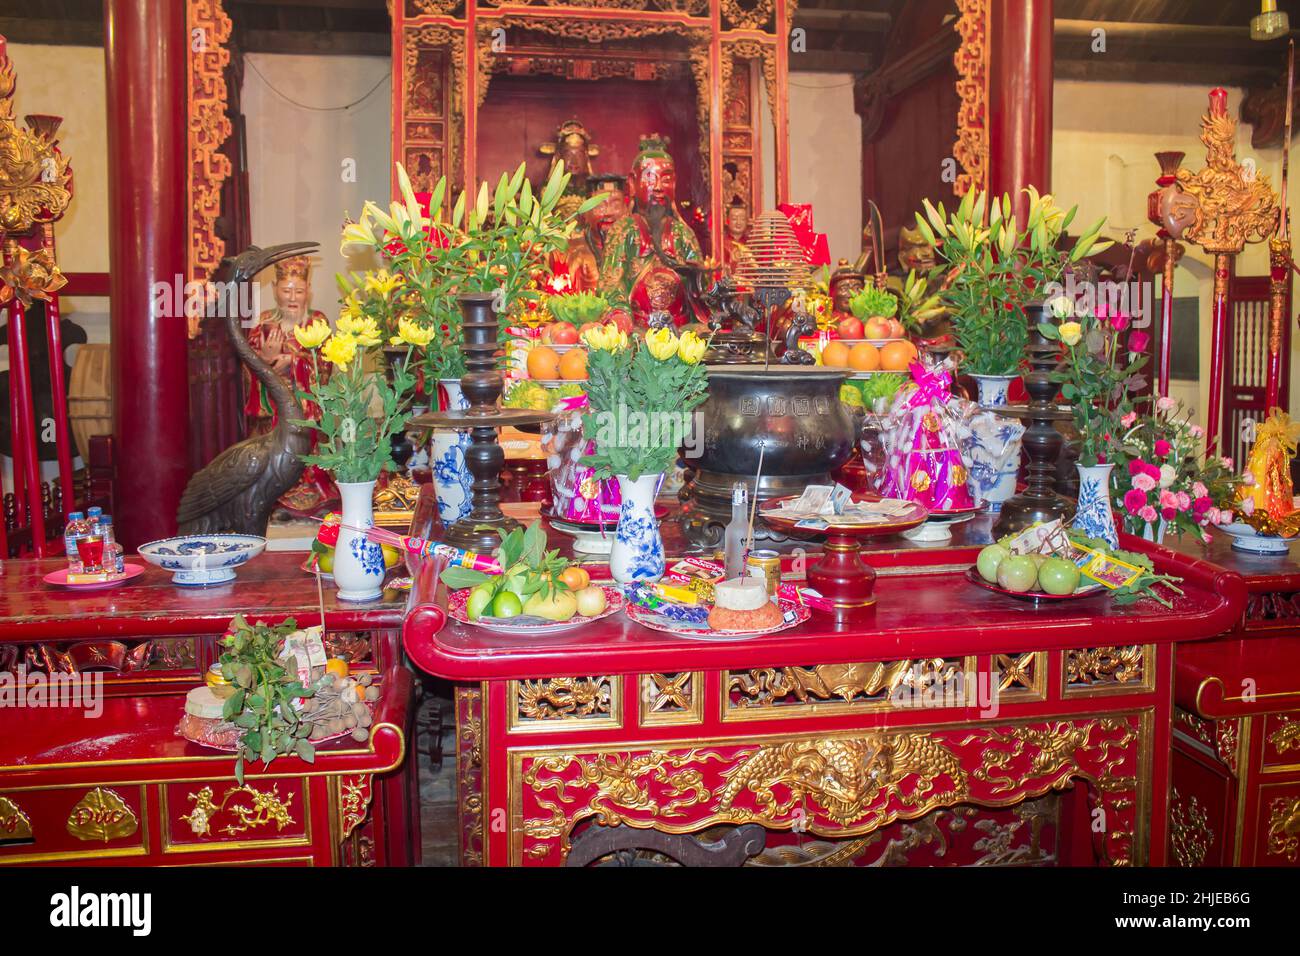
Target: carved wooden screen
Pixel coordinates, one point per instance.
(1245, 364)
(446, 52)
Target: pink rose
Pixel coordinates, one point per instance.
(1138, 341)
(1247, 480)
(1166, 404)
(1168, 499)
(1128, 420)
(1134, 500)
(1144, 482)
(1169, 514)
(1197, 431)
(1148, 514)
(1162, 448)
(1205, 537)
(1225, 517)
(1152, 470)
(1213, 515)
(1184, 500)
(1247, 507)
(1202, 505)
(1200, 490)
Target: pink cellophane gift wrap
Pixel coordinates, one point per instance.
(921, 441)
(577, 493)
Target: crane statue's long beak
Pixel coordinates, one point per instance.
(274, 254)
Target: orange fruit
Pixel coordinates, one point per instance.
(575, 577)
(543, 362)
(835, 355)
(573, 365)
(337, 666)
(864, 357)
(897, 356)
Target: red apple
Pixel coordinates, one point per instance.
(562, 333)
(896, 330)
(589, 325)
(877, 328)
(620, 320)
(850, 328)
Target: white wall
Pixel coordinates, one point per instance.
(1103, 158)
(825, 157)
(309, 166)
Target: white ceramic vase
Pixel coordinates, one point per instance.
(994, 389)
(1094, 516)
(358, 562)
(451, 477)
(638, 551)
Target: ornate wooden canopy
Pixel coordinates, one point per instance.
(446, 54)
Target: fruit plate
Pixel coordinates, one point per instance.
(795, 614)
(59, 579)
(234, 748)
(1087, 591)
(526, 624)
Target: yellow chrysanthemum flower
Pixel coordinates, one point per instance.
(609, 338)
(412, 334)
(661, 343)
(340, 350)
(311, 336)
(691, 348)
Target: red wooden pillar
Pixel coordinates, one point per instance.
(146, 49)
(1020, 98)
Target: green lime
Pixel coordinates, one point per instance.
(479, 599)
(507, 604)
(1018, 573)
(1058, 576)
(988, 561)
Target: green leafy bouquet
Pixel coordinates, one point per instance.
(991, 270)
(640, 395)
(872, 302)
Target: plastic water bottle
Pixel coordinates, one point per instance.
(76, 529)
(113, 562)
(93, 514)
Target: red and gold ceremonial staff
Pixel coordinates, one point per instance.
(1279, 253)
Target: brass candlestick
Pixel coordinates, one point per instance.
(482, 384)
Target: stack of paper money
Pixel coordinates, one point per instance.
(823, 506)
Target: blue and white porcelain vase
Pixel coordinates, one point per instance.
(1094, 516)
(638, 552)
(451, 477)
(994, 389)
(358, 562)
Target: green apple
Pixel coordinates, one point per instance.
(506, 604)
(1018, 573)
(479, 599)
(1058, 576)
(988, 561)
(591, 600)
(326, 562)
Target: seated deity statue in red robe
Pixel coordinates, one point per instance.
(637, 274)
(272, 339)
(587, 245)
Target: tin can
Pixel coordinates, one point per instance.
(214, 678)
(765, 565)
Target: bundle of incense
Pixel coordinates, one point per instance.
(332, 524)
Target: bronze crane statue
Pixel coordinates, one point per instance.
(237, 490)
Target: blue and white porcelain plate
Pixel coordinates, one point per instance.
(1245, 538)
(198, 560)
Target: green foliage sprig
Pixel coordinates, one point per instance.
(872, 302)
(526, 563)
(577, 308)
(262, 690)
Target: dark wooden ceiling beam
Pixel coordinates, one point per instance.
(52, 32)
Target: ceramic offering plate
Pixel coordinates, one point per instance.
(59, 579)
(938, 527)
(1083, 591)
(1247, 539)
(527, 624)
(794, 615)
(198, 560)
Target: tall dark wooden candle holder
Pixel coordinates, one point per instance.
(1040, 500)
(482, 384)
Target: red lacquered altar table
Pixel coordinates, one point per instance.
(120, 787)
(1236, 776)
(884, 743)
